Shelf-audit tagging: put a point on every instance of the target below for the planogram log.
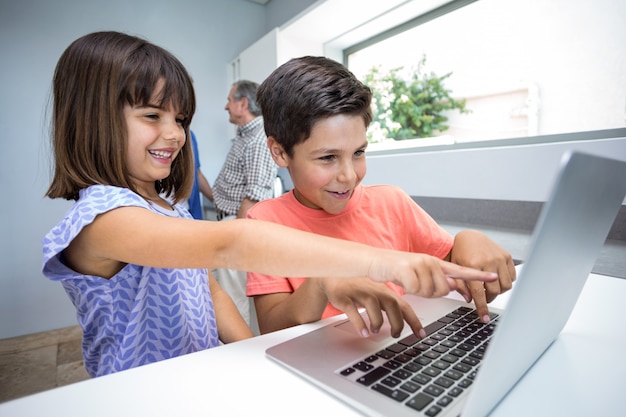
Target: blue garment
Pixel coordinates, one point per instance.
(195, 200)
(140, 315)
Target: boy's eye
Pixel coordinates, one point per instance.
(360, 152)
(327, 158)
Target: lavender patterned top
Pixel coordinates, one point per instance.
(142, 314)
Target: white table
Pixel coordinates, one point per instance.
(581, 374)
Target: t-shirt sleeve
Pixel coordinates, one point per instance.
(261, 284)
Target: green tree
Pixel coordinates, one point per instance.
(409, 107)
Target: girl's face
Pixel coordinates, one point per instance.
(327, 167)
(155, 137)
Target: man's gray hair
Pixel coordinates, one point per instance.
(247, 89)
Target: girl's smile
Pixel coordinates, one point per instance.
(164, 154)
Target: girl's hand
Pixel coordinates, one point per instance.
(423, 275)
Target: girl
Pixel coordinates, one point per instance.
(134, 264)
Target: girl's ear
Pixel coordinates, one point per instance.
(278, 153)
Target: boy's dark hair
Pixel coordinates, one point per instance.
(247, 89)
(96, 76)
(305, 90)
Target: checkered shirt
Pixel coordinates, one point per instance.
(248, 171)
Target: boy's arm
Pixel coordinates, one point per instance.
(308, 302)
(475, 250)
(231, 327)
(281, 310)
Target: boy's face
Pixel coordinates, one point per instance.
(327, 167)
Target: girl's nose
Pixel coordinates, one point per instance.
(174, 132)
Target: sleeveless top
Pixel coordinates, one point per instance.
(142, 314)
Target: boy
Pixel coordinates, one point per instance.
(316, 115)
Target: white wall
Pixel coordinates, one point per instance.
(205, 34)
(516, 173)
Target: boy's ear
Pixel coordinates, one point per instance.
(278, 153)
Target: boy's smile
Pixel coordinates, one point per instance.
(327, 166)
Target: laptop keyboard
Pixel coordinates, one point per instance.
(428, 374)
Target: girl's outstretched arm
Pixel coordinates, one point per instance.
(139, 236)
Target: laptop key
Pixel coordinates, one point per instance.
(461, 367)
(432, 372)
(412, 367)
(386, 354)
(421, 379)
(363, 366)
(392, 365)
(420, 401)
(434, 326)
(348, 371)
(391, 393)
(396, 348)
(402, 374)
(402, 358)
(432, 411)
(390, 381)
(373, 376)
(410, 386)
(452, 374)
(465, 383)
(444, 382)
(410, 340)
(444, 401)
(434, 390)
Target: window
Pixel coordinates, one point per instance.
(525, 68)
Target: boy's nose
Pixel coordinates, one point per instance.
(346, 172)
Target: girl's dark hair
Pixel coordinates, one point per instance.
(96, 76)
(305, 90)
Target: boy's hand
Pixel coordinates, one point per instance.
(419, 274)
(474, 249)
(350, 294)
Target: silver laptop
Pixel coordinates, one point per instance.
(464, 367)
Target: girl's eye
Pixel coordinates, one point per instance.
(152, 116)
(181, 120)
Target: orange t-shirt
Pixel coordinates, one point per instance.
(383, 216)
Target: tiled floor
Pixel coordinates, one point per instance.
(39, 362)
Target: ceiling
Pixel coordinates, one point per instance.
(260, 1)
